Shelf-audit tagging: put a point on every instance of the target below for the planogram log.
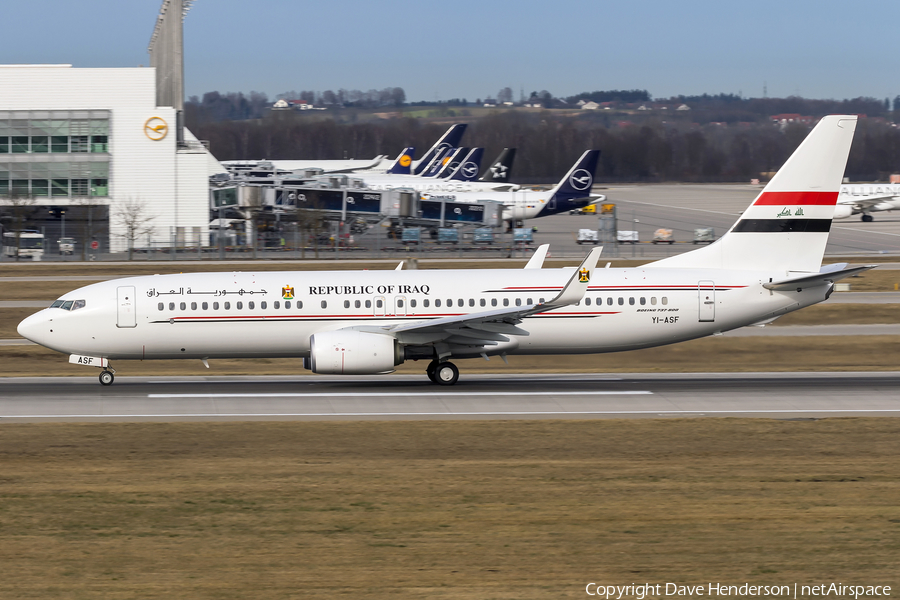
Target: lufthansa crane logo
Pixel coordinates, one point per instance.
(405, 160)
(155, 129)
(470, 169)
(581, 180)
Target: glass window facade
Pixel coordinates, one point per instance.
(55, 154)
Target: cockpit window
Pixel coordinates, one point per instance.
(78, 304)
(57, 304)
(67, 305)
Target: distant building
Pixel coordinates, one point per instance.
(786, 119)
(490, 103)
(590, 106)
(282, 104)
(683, 107)
(72, 138)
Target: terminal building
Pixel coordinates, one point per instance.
(93, 145)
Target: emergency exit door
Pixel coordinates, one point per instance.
(126, 304)
(706, 292)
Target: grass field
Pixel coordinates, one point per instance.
(504, 510)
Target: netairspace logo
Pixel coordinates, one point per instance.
(795, 591)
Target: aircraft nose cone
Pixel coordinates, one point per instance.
(35, 328)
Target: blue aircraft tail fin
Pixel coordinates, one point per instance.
(440, 160)
(450, 139)
(469, 166)
(402, 165)
(574, 190)
(452, 163)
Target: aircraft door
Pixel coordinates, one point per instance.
(379, 306)
(706, 292)
(125, 301)
(400, 306)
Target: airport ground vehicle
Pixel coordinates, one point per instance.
(483, 235)
(704, 235)
(523, 236)
(590, 209)
(628, 237)
(447, 235)
(66, 245)
(411, 235)
(30, 244)
(587, 236)
(663, 236)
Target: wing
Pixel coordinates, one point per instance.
(488, 328)
(864, 202)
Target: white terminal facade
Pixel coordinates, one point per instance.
(95, 136)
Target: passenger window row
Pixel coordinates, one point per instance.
(251, 305)
(379, 303)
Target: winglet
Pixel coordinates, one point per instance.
(537, 259)
(577, 285)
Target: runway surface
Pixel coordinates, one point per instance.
(406, 397)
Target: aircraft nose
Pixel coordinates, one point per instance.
(35, 328)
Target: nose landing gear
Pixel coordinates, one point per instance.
(107, 376)
(442, 373)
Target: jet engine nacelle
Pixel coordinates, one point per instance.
(350, 352)
(842, 211)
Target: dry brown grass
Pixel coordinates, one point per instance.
(507, 510)
(717, 354)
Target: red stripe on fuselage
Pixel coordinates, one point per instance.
(797, 199)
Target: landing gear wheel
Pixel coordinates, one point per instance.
(430, 370)
(106, 377)
(446, 374)
(867, 218)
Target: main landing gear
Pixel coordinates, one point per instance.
(867, 218)
(442, 373)
(107, 377)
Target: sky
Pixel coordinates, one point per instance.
(471, 49)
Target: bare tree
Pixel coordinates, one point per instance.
(132, 216)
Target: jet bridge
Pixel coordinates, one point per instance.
(398, 204)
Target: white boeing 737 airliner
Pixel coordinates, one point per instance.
(368, 322)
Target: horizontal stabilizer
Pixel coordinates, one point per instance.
(815, 280)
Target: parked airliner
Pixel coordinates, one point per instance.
(368, 322)
(457, 172)
(450, 139)
(863, 200)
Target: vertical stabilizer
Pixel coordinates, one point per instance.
(403, 162)
(786, 228)
(450, 139)
(500, 170)
(467, 170)
(440, 160)
(452, 163)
